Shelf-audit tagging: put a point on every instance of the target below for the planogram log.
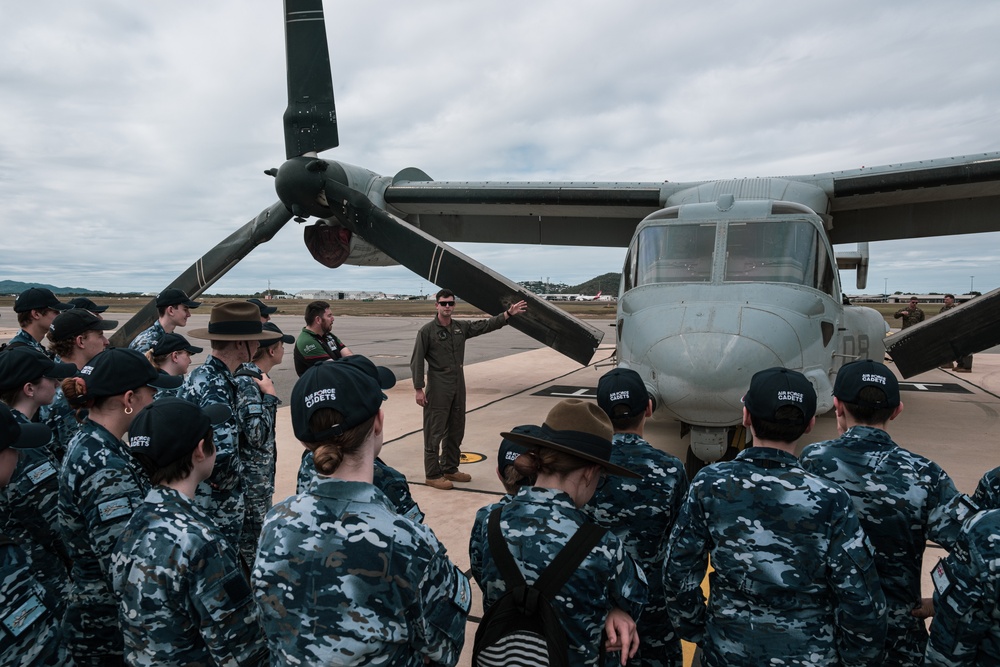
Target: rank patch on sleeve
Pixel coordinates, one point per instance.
(114, 509)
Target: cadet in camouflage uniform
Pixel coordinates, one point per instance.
(29, 511)
(987, 495)
(568, 456)
(100, 485)
(901, 498)
(256, 411)
(341, 577)
(794, 582)
(641, 512)
(29, 622)
(966, 627)
(36, 307)
(234, 329)
(29, 618)
(76, 336)
(173, 307)
(182, 595)
(441, 344)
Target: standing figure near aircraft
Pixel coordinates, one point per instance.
(29, 616)
(76, 336)
(911, 314)
(608, 590)
(441, 345)
(257, 412)
(182, 596)
(36, 307)
(901, 498)
(641, 512)
(100, 485)
(234, 330)
(794, 581)
(341, 578)
(964, 363)
(966, 626)
(317, 342)
(29, 498)
(174, 308)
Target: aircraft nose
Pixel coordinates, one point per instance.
(702, 376)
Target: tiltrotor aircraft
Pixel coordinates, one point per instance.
(721, 278)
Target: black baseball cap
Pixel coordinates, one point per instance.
(344, 386)
(175, 297)
(265, 310)
(622, 386)
(16, 435)
(87, 304)
(77, 321)
(38, 298)
(856, 375)
(170, 428)
(279, 335)
(384, 376)
(510, 450)
(174, 342)
(19, 365)
(777, 387)
(119, 369)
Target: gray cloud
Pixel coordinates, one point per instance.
(134, 135)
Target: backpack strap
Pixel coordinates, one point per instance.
(558, 572)
(569, 559)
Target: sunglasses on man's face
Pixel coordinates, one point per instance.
(446, 303)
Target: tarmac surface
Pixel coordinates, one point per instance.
(951, 418)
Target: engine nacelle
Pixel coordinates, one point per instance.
(332, 245)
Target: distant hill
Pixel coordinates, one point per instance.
(606, 283)
(16, 287)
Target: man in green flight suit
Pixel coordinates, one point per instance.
(441, 343)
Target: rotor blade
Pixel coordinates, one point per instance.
(448, 268)
(311, 117)
(212, 266)
(972, 327)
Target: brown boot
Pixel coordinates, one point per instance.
(957, 370)
(458, 476)
(439, 483)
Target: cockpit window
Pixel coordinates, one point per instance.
(673, 254)
(780, 251)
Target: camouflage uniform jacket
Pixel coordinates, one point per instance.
(148, 338)
(966, 627)
(256, 413)
(794, 582)
(987, 495)
(641, 513)
(387, 479)
(443, 349)
(22, 337)
(221, 497)
(29, 507)
(29, 624)
(61, 418)
(182, 596)
(909, 317)
(537, 523)
(100, 486)
(902, 500)
(342, 579)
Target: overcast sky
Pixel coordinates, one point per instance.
(134, 135)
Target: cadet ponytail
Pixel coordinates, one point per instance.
(328, 454)
(545, 461)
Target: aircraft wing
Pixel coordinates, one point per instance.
(958, 195)
(550, 213)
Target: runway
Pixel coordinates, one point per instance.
(948, 417)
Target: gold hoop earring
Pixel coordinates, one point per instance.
(129, 410)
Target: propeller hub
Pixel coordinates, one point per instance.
(300, 182)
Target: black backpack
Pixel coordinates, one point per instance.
(522, 629)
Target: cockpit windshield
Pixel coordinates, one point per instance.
(782, 251)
